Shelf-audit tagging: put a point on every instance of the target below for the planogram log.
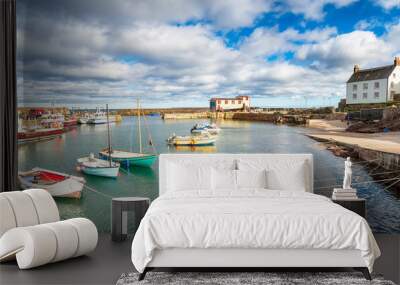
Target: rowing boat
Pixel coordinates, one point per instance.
(56, 183)
(201, 140)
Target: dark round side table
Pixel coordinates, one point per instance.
(119, 215)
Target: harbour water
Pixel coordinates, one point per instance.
(60, 154)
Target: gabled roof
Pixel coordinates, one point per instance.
(372, 74)
(235, 98)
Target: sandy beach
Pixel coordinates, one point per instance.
(327, 125)
(385, 142)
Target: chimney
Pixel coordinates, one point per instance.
(397, 61)
(356, 68)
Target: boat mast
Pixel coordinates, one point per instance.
(139, 127)
(109, 137)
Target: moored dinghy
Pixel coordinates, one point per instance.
(205, 128)
(201, 140)
(98, 167)
(56, 183)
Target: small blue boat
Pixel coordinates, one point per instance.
(205, 128)
(98, 167)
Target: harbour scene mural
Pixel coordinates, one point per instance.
(234, 136)
(105, 87)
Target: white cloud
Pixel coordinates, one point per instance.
(95, 57)
(265, 42)
(362, 47)
(269, 41)
(182, 46)
(388, 4)
(221, 13)
(367, 24)
(393, 36)
(313, 9)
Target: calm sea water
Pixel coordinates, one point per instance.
(236, 137)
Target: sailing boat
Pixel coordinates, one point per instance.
(99, 167)
(128, 158)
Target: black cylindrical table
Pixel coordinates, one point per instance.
(119, 214)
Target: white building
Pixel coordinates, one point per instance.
(374, 85)
(229, 104)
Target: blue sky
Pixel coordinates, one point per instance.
(177, 53)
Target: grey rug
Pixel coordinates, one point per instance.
(228, 278)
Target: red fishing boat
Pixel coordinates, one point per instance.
(39, 134)
(70, 122)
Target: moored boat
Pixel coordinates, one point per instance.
(83, 119)
(70, 122)
(205, 128)
(98, 167)
(56, 183)
(202, 140)
(50, 119)
(97, 118)
(39, 125)
(27, 135)
(128, 158)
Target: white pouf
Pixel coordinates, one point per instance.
(31, 232)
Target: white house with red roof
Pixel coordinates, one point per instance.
(230, 104)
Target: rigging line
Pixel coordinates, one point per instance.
(394, 183)
(341, 177)
(95, 191)
(340, 164)
(357, 183)
(376, 167)
(139, 126)
(149, 134)
(131, 130)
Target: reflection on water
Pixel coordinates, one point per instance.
(236, 137)
(209, 149)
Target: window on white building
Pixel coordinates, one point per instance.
(376, 94)
(354, 95)
(394, 75)
(365, 95)
(354, 87)
(365, 86)
(376, 85)
(226, 102)
(392, 85)
(233, 101)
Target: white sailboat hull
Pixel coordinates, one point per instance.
(98, 167)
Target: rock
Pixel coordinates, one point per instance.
(356, 126)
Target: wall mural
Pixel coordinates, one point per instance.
(106, 77)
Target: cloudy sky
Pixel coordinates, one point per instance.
(183, 52)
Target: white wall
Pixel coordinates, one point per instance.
(395, 79)
(383, 84)
(235, 105)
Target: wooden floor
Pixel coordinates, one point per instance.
(111, 259)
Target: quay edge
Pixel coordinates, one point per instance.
(386, 160)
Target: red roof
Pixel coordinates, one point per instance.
(235, 98)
